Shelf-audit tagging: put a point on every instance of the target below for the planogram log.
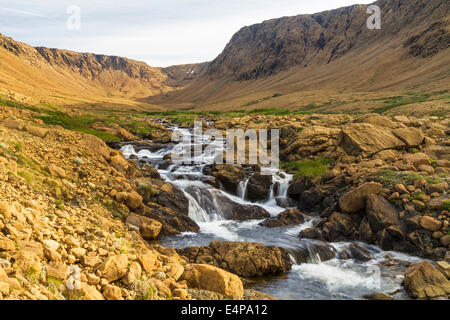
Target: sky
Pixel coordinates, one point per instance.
(159, 32)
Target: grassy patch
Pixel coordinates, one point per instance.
(389, 178)
(446, 206)
(51, 116)
(390, 103)
(75, 123)
(271, 111)
(313, 169)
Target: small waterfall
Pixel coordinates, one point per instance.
(281, 181)
(283, 186)
(196, 212)
(242, 189)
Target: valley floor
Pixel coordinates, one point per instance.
(79, 221)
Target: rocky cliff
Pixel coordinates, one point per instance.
(279, 44)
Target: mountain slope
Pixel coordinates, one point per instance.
(43, 73)
(332, 51)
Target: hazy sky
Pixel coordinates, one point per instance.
(159, 32)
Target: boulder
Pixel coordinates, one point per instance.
(430, 223)
(248, 212)
(367, 140)
(149, 228)
(96, 145)
(258, 187)
(339, 227)
(310, 141)
(3, 275)
(14, 124)
(444, 267)
(173, 222)
(311, 251)
(210, 278)
(114, 267)
(245, 259)
(437, 152)
(311, 233)
(133, 200)
(119, 162)
(381, 213)
(355, 199)
(56, 171)
(134, 273)
(377, 120)
(298, 186)
(285, 218)
(356, 252)
(172, 197)
(112, 292)
(438, 203)
(36, 131)
(6, 244)
(422, 280)
(412, 137)
(57, 270)
(227, 175)
(90, 292)
(378, 296)
(416, 159)
(27, 261)
(148, 262)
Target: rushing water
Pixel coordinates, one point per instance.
(334, 279)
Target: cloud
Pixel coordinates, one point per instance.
(22, 12)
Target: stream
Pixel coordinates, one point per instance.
(333, 279)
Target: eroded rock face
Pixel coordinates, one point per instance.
(242, 258)
(422, 280)
(285, 218)
(210, 278)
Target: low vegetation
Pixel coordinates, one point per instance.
(314, 169)
(389, 178)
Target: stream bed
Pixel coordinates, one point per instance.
(332, 279)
